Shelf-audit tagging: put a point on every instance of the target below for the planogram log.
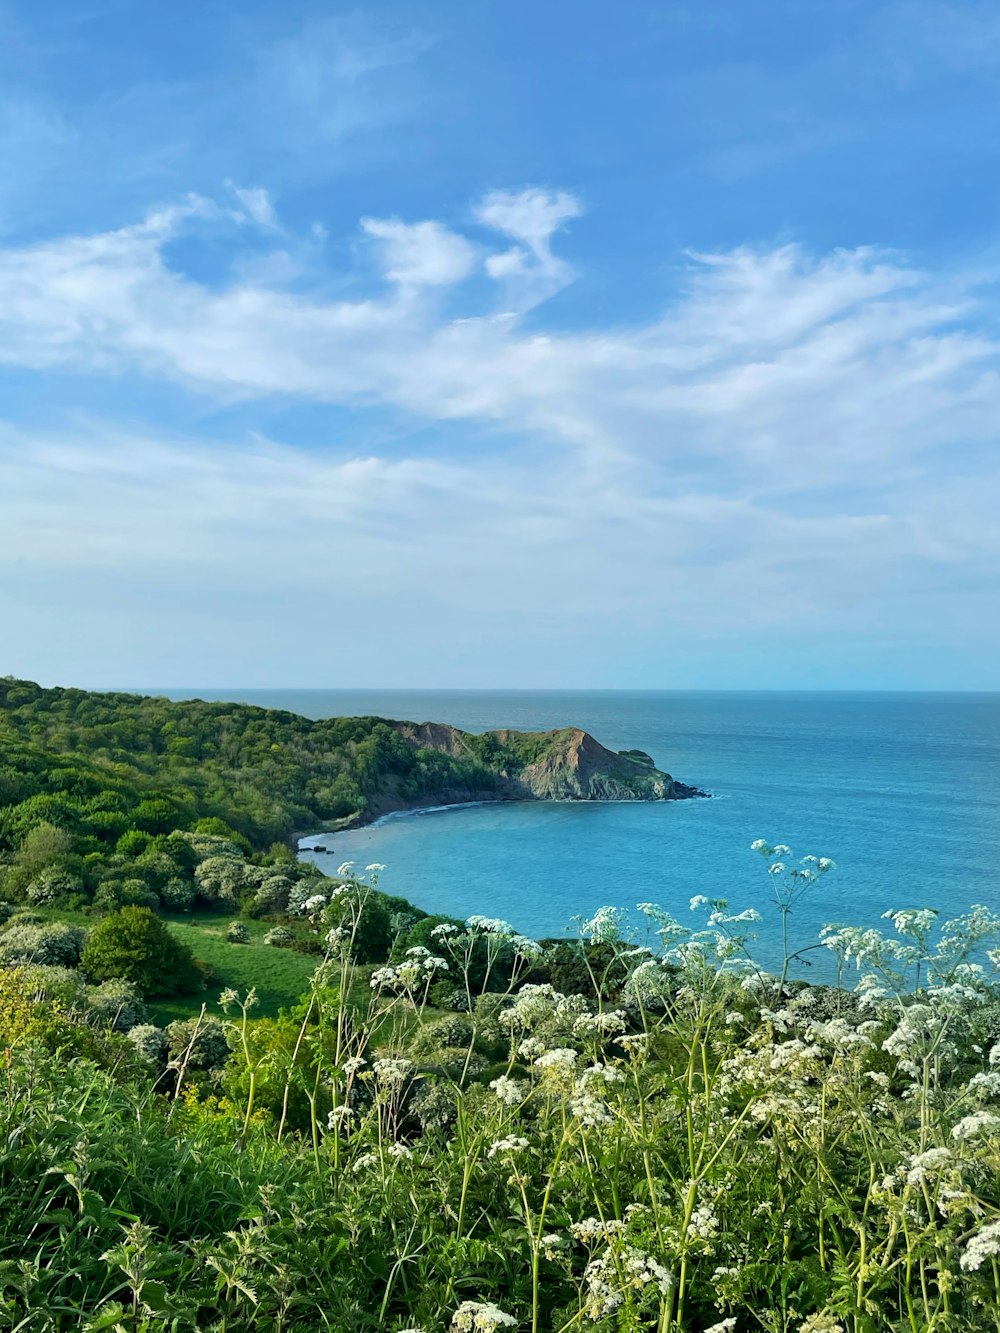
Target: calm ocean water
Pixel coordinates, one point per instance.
(900, 789)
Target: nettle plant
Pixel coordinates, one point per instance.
(695, 1143)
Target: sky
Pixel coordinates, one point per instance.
(500, 345)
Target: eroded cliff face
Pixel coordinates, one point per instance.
(579, 768)
(564, 765)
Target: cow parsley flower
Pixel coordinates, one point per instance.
(925, 1163)
(480, 1317)
(509, 1090)
(985, 1244)
(513, 1143)
(392, 1070)
(973, 1125)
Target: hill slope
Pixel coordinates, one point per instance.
(100, 764)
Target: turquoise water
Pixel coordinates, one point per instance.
(901, 790)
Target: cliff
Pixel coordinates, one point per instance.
(564, 765)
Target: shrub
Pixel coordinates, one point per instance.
(116, 1004)
(221, 880)
(272, 895)
(150, 1042)
(238, 933)
(135, 945)
(115, 894)
(177, 894)
(199, 1042)
(373, 935)
(53, 885)
(280, 936)
(50, 943)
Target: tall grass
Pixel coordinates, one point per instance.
(716, 1149)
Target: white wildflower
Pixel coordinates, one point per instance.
(513, 1143)
(392, 1070)
(592, 1228)
(604, 927)
(985, 1244)
(480, 1317)
(590, 1110)
(704, 1224)
(490, 925)
(925, 1163)
(973, 1125)
(509, 1090)
(723, 1326)
(562, 1059)
(821, 1323)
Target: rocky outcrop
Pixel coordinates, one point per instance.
(576, 767)
(564, 765)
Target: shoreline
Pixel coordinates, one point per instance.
(404, 810)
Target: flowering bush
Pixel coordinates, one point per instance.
(238, 933)
(52, 943)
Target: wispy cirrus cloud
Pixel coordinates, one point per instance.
(783, 450)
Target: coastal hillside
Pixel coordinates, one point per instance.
(99, 766)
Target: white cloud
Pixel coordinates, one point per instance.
(530, 271)
(796, 445)
(421, 254)
(257, 206)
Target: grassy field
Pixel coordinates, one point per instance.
(280, 975)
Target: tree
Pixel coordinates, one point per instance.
(136, 946)
(43, 846)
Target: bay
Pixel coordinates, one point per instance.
(900, 789)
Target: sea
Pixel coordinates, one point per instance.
(902, 791)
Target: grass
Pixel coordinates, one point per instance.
(280, 975)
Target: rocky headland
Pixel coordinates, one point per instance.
(562, 765)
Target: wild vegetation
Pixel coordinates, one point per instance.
(675, 1140)
(441, 1125)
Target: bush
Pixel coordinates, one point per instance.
(116, 1004)
(238, 933)
(272, 895)
(199, 1042)
(50, 943)
(177, 895)
(113, 895)
(280, 936)
(221, 881)
(373, 937)
(150, 1042)
(136, 946)
(52, 885)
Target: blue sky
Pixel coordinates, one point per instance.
(560, 345)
